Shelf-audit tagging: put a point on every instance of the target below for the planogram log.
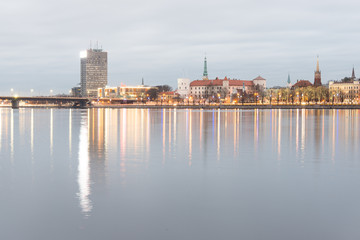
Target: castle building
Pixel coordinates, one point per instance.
(93, 71)
(207, 88)
(317, 80)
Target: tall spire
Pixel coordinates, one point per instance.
(205, 75)
(142, 81)
(288, 81)
(353, 74)
(317, 79)
(317, 64)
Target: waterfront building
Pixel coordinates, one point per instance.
(124, 92)
(168, 96)
(225, 87)
(208, 88)
(317, 77)
(183, 87)
(94, 71)
(346, 91)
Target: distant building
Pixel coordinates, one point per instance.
(302, 84)
(124, 92)
(76, 92)
(168, 96)
(209, 88)
(206, 88)
(183, 87)
(317, 78)
(349, 91)
(94, 71)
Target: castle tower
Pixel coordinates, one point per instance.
(317, 80)
(205, 74)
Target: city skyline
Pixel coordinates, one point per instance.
(282, 38)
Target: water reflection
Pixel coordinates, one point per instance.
(84, 167)
(114, 145)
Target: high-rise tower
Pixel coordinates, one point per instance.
(205, 74)
(317, 80)
(93, 71)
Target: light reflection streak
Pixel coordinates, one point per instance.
(0, 128)
(148, 132)
(333, 136)
(190, 138)
(163, 120)
(201, 128)
(32, 133)
(84, 168)
(218, 135)
(51, 131)
(279, 134)
(297, 131)
(12, 135)
(170, 130)
(106, 130)
(303, 134)
(70, 130)
(123, 134)
(323, 130)
(175, 120)
(256, 132)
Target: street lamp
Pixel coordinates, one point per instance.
(12, 92)
(51, 91)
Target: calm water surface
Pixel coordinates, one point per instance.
(179, 174)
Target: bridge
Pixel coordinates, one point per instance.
(76, 102)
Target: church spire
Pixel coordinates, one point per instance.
(288, 81)
(353, 74)
(317, 64)
(205, 74)
(317, 80)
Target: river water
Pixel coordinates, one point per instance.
(179, 174)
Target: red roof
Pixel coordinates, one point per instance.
(259, 78)
(219, 82)
(302, 83)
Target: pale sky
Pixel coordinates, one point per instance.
(159, 40)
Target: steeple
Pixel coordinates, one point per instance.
(205, 75)
(317, 78)
(317, 64)
(142, 81)
(288, 81)
(353, 74)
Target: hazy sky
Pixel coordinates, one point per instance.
(159, 40)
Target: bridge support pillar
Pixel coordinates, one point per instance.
(14, 104)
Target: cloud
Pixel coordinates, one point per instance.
(163, 40)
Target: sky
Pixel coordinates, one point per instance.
(162, 41)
